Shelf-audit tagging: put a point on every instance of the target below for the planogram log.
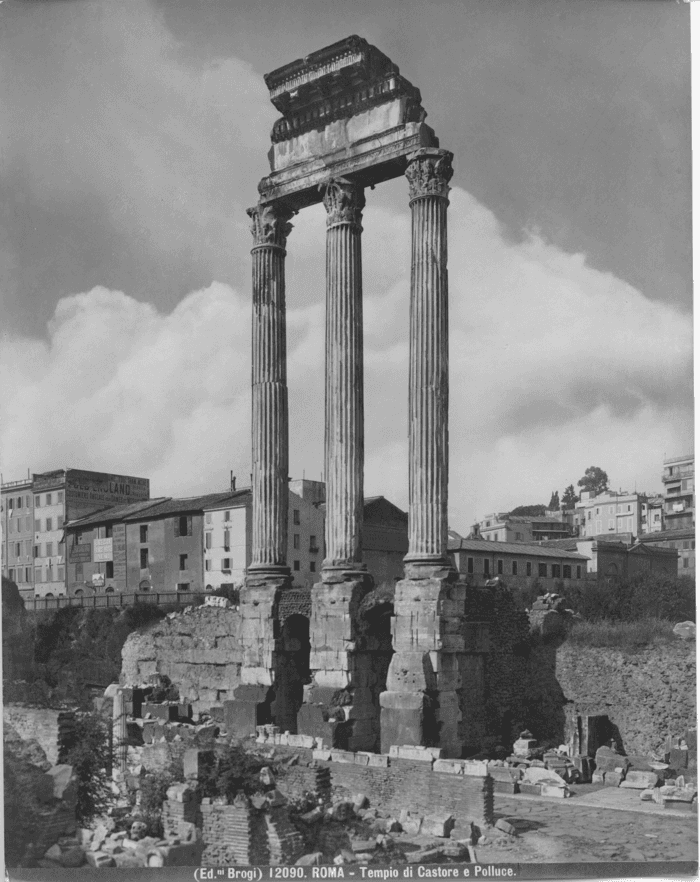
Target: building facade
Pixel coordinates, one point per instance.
(479, 560)
(227, 541)
(503, 527)
(611, 513)
(35, 511)
(679, 492)
(682, 542)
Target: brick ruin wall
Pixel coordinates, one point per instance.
(48, 727)
(530, 683)
(648, 695)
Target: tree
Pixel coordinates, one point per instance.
(569, 497)
(529, 510)
(595, 480)
(554, 502)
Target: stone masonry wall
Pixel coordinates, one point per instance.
(199, 650)
(47, 726)
(648, 695)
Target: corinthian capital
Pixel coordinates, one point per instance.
(429, 172)
(343, 200)
(270, 224)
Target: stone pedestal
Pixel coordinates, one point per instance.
(435, 689)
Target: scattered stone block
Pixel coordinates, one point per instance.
(424, 856)
(310, 860)
(322, 754)
(614, 779)
(477, 768)
(99, 859)
(72, 857)
(379, 760)
(505, 827)
(53, 853)
(360, 801)
(639, 780)
(438, 825)
(411, 823)
(505, 787)
(557, 792)
(598, 778)
(685, 630)
(450, 767)
(531, 789)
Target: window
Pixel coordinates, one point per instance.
(528, 568)
(60, 574)
(37, 549)
(207, 518)
(588, 515)
(49, 549)
(297, 540)
(312, 566)
(207, 540)
(612, 509)
(556, 571)
(144, 558)
(12, 575)
(685, 563)
(518, 537)
(183, 561)
(143, 533)
(27, 574)
(312, 544)
(499, 564)
(226, 564)
(28, 501)
(48, 499)
(514, 568)
(18, 548)
(296, 518)
(108, 531)
(297, 565)
(183, 525)
(470, 564)
(686, 544)
(597, 511)
(207, 565)
(578, 571)
(37, 574)
(487, 566)
(37, 525)
(110, 569)
(19, 501)
(59, 524)
(59, 496)
(611, 524)
(20, 574)
(183, 586)
(567, 571)
(28, 523)
(49, 524)
(599, 526)
(227, 515)
(227, 540)
(629, 508)
(542, 570)
(37, 501)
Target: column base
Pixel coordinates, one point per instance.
(338, 703)
(268, 577)
(436, 686)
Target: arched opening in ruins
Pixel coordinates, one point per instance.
(293, 672)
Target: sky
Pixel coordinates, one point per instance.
(132, 137)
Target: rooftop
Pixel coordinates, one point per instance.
(483, 546)
(114, 512)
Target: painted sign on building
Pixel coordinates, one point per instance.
(98, 580)
(102, 550)
(96, 487)
(80, 553)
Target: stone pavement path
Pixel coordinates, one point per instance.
(549, 831)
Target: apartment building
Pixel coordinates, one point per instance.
(679, 492)
(35, 511)
(503, 527)
(611, 512)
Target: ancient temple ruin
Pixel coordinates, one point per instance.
(349, 122)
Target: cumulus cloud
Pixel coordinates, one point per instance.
(554, 366)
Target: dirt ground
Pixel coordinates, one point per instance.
(558, 830)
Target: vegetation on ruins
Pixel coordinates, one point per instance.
(232, 771)
(154, 790)
(70, 648)
(88, 752)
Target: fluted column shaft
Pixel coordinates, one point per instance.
(428, 173)
(270, 426)
(344, 437)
